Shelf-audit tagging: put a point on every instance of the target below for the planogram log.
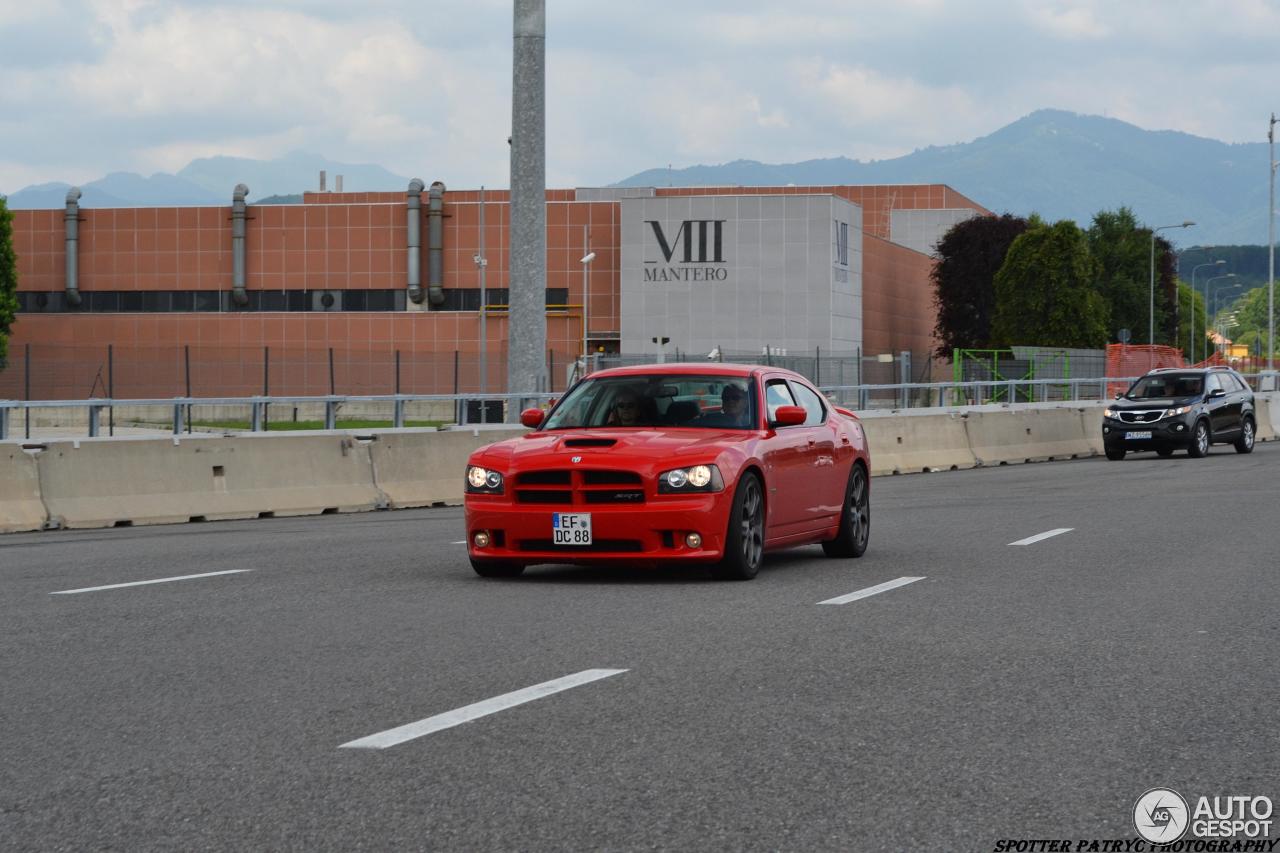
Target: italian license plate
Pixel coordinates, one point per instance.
(571, 528)
(1142, 433)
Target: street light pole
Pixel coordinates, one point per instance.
(1271, 247)
(1192, 323)
(1222, 329)
(1208, 301)
(481, 263)
(1151, 297)
(586, 291)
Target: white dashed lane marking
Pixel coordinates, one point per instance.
(1031, 540)
(871, 590)
(145, 583)
(449, 719)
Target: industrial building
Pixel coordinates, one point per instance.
(253, 297)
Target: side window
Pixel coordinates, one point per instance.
(1237, 384)
(775, 395)
(812, 403)
(1211, 383)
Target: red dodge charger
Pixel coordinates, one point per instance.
(696, 463)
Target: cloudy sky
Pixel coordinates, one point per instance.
(423, 87)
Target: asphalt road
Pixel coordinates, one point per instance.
(1017, 691)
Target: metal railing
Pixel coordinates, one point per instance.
(460, 406)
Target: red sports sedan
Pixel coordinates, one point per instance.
(694, 463)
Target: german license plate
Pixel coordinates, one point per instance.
(571, 528)
(1142, 433)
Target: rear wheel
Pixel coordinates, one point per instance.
(496, 568)
(1199, 441)
(1115, 455)
(744, 541)
(1244, 444)
(855, 520)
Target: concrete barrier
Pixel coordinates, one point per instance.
(1266, 407)
(905, 442)
(106, 482)
(20, 504)
(1028, 435)
(414, 468)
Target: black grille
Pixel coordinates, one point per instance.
(543, 478)
(621, 546)
(610, 478)
(544, 496)
(1140, 417)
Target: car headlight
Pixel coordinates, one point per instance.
(1181, 410)
(1111, 413)
(483, 480)
(695, 478)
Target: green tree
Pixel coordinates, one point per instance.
(1250, 326)
(1122, 252)
(969, 255)
(1046, 293)
(8, 279)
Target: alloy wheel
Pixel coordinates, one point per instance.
(859, 509)
(752, 523)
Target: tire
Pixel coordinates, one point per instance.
(496, 568)
(1244, 444)
(855, 518)
(1164, 452)
(1200, 441)
(1115, 455)
(744, 540)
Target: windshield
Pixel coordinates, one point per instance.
(1166, 385)
(700, 402)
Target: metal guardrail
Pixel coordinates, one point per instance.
(866, 397)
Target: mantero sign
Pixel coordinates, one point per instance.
(694, 252)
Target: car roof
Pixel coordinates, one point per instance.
(1208, 369)
(695, 368)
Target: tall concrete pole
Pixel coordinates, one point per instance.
(1271, 247)
(527, 335)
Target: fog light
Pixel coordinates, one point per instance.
(481, 539)
(693, 540)
(1180, 427)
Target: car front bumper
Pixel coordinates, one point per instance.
(1172, 432)
(653, 531)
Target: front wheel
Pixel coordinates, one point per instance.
(1244, 444)
(744, 541)
(1115, 455)
(496, 568)
(1199, 441)
(855, 520)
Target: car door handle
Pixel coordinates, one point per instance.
(812, 442)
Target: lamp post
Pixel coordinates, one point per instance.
(481, 263)
(1208, 290)
(1151, 296)
(586, 268)
(1222, 329)
(1192, 324)
(1271, 246)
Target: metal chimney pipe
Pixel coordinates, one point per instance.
(527, 335)
(71, 225)
(413, 201)
(435, 244)
(238, 209)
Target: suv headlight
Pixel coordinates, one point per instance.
(1181, 410)
(483, 481)
(1110, 413)
(695, 478)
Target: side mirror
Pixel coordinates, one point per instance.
(1217, 392)
(789, 416)
(1119, 395)
(532, 418)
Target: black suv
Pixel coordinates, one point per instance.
(1176, 407)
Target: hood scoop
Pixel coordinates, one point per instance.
(590, 442)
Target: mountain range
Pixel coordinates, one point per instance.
(1059, 164)
(211, 180)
